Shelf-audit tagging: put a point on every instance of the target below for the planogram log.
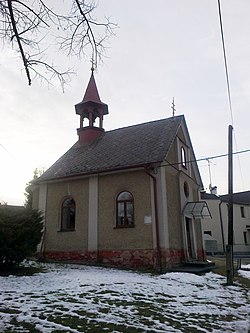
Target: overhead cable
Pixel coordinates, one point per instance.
(206, 158)
(225, 62)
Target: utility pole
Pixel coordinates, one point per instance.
(229, 247)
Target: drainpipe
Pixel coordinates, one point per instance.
(156, 220)
(222, 229)
(42, 248)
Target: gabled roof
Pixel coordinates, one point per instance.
(128, 147)
(122, 148)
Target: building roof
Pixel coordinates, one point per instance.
(11, 207)
(238, 198)
(128, 147)
(209, 196)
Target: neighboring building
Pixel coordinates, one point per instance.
(217, 226)
(127, 197)
(11, 207)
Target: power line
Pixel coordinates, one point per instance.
(224, 155)
(6, 150)
(228, 85)
(225, 62)
(206, 158)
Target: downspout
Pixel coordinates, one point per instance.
(222, 229)
(156, 220)
(42, 248)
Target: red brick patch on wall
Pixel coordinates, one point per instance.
(136, 259)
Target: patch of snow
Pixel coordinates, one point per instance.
(138, 301)
(245, 271)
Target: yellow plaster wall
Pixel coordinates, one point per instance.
(35, 198)
(181, 135)
(57, 240)
(197, 223)
(198, 233)
(195, 194)
(172, 156)
(138, 237)
(190, 167)
(176, 200)
(174, 211)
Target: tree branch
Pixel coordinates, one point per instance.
(33, 12)
(19, 41)
(94, 45)
(35, 27)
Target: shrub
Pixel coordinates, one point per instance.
(20, 233)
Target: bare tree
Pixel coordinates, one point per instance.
(33, 27)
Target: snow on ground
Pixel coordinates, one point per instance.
(245, 271)
(74, 298)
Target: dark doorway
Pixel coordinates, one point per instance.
(190, 238)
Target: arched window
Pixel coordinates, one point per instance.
(68, 213)
(183, 157)
(125, 210)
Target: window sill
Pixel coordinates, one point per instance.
(124, 226)
(66, 230)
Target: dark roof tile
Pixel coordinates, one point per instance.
(126, 147)
(209, 196)
(239, 197)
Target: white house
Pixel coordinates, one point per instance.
(217, 227)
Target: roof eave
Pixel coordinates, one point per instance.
(97, 172)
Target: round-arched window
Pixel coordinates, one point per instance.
(68, 210)
(183, 157)
(125, 210)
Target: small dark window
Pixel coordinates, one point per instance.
(245, 237)
(186, 189)
(124, 210)
(183, 157)
(242, 211)
(68, 210)
(208, 232)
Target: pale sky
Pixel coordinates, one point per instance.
(162, 49)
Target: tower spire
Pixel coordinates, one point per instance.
(91, 107)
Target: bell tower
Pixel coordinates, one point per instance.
(93, 109)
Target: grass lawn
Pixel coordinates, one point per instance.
(220, 268)
(74, 298)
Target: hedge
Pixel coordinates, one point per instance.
(20, 233)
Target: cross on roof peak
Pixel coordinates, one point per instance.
(93, 65)
(173, 108)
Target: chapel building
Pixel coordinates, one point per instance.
(128, 197)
